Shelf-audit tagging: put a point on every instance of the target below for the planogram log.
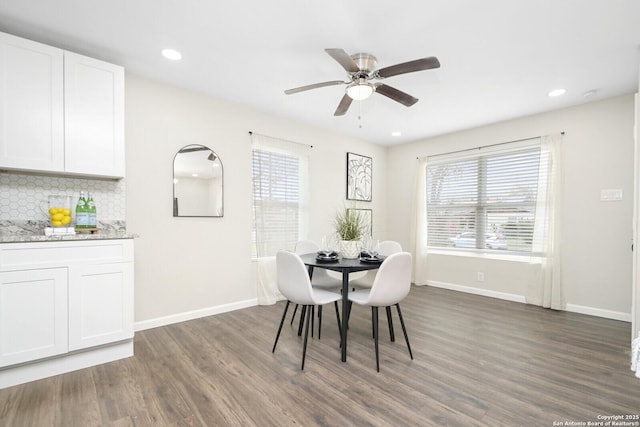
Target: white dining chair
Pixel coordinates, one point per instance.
(320, 280)
(385, 248)
(390, 286)
(320, 277)
(294, 284)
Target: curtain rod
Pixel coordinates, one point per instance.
(281, 139)
(484, 146)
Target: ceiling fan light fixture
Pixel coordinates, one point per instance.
(360, 90)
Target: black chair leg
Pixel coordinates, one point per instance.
(286, 307)
(306, 336)
(319, 321)
(374, 319)
(312, 312)
(404, 330)
(392, 336)
(303, 313)
(293, 316)
(335, 304)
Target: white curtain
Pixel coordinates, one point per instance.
(419, 225)
(273, 232)
(544, 285)
(266, 283)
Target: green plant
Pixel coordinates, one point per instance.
(350, 224)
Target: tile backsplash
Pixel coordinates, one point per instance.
(24, 197)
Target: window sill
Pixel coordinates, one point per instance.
(482, 255)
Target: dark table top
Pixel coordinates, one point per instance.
(342, 265)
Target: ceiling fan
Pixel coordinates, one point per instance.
(364, 79)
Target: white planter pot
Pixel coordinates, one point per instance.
(350, 248)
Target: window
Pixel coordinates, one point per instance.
(484, 201)
(279, 196)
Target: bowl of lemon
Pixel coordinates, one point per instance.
(60, 211)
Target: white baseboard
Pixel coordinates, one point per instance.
(599, 312)
(591, 311)
(477, 291)
(195, 314)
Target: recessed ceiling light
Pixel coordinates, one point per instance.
(396, 133)
(172, 54)
(557, 92)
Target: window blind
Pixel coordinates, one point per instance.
(279, 197)
(485, 201)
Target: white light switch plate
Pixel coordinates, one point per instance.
(610, 195)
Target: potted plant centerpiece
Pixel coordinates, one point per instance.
(350, 226)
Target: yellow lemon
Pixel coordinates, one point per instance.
(66, 219)
(57, 217)
(53, 210)
(66, 212)
(56, 223)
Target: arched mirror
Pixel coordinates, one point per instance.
(197, 182)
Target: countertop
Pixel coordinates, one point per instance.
(33, 231)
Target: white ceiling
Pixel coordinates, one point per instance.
(499, 58)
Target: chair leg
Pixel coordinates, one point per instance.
(312, 309)
(306, 337)
(319, 321)
(374, 319)
(404, 330)
(293, 316)
(392, 336)
(286, 307)
(335, 304)
(303, 313)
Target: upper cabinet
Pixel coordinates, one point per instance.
(31, 105)
(60, 112)
(94, 116)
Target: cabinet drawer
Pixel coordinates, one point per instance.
(50, 254)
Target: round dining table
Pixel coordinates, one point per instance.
(344, 266)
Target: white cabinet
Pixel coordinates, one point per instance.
(63, 298)
(94, 116)
(33, 315)
(31, 105)
(60, 112)
(100, 304)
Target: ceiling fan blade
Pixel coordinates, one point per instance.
(314, 86)
(397, 95)
(344, 105)
(409, 67)
(343, 59)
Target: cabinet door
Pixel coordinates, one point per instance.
(94, 116)
(100, 304)
(33, 314)
(31, 105)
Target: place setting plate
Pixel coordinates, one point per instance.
(367, 259)
(331, 257)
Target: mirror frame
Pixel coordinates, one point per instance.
(194, 148)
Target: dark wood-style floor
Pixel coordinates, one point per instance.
(478, 362)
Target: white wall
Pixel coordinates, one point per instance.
(598, 154)
(188, 267)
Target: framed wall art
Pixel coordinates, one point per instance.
(359, 177)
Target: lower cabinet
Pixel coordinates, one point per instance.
(33, 315)
(60, 301)
(100, 304)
